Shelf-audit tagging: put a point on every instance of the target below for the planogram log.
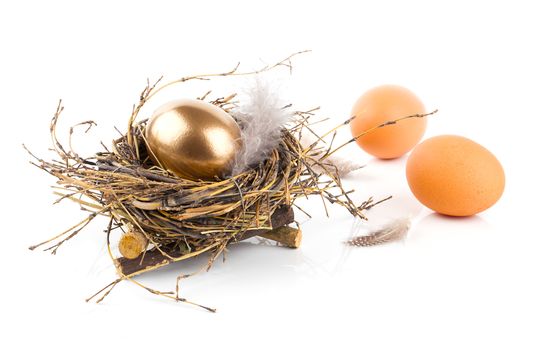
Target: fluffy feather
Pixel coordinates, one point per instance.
(261, 118)
(394, 231)
(333, 163)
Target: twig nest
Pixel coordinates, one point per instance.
(145, 182)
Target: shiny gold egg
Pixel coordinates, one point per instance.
(193, 139)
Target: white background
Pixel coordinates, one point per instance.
(453, 284)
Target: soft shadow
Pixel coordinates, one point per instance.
(436, 229)
(251, 265)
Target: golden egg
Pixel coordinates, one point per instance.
(193, 139)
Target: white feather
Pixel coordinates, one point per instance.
(335, 164)
(261, 117)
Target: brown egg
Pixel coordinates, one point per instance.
(382, 104)
(455, 176)
(193, 139)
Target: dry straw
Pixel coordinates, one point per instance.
(177, 219)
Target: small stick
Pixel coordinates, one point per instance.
(132, 244)
(288, 236)
(233, 72)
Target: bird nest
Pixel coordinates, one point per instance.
(165, 218)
